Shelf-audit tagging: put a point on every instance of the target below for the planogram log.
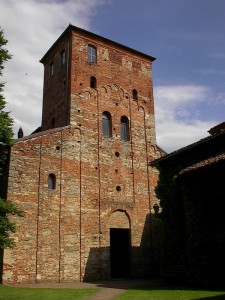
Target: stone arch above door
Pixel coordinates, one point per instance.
(119, 219)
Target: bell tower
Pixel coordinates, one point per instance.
(84, 179)
(56, 90)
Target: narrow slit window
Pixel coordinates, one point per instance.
(93, 82)
(125, 131)
(62, 57)
(135, 95)
(92, 54)
(51, 69)
(53, 123)
(51, 182)
(106, 124)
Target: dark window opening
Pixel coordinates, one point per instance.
(51, 182)
(62, 57)
(106, 124)
(92, 54)
(135, 95)
(118, 188)
(53, 123)
(64, 83)
(125, 134)
(93, 82)
(51, 69)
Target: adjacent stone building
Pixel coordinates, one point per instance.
(83, 178)
(191, 192)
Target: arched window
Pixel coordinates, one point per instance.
(125, 132)
(106, 124)
(51, 181)
(93, 82)
(135, 95)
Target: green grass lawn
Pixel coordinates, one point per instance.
(139, 293)
(170, 293)
(11, 293)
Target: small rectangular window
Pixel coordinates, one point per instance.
(125, 134)
(106, 124)
(51, 69)
(51, 182)
(62, 57)
(92, 54)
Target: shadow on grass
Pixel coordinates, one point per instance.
(218, 297)
(165, 288)
(154, 285)
(128, 284)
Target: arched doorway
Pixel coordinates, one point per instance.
(119, 245)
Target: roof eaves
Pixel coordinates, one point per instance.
(65, 32)
(208, 138)
(41, 133)
(78, 29)
(203, 164)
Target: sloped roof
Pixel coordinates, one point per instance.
(217, 129)
(71, 28)
(203, 163)
(188, 147)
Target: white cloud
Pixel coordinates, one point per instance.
(174, 135)
(177, 116)
(210, 71)
(218, 55)
(32, 26)
(179, 94)
(220, 97)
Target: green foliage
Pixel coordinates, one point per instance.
(6, 225)
(4, 53)
(6, 122)
(6, 135)
(174, 233)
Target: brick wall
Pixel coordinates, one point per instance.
(65, 235)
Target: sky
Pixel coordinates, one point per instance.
(186, 36)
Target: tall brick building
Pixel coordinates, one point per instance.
(83, 177)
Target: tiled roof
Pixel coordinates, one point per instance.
(174, 153)
(218, 128)
(203, 163)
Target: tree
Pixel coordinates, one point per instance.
(7, 208)
(6, 123)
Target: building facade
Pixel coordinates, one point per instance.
(83, 178)
(191, 193)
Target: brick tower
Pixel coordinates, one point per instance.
(83, 178)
